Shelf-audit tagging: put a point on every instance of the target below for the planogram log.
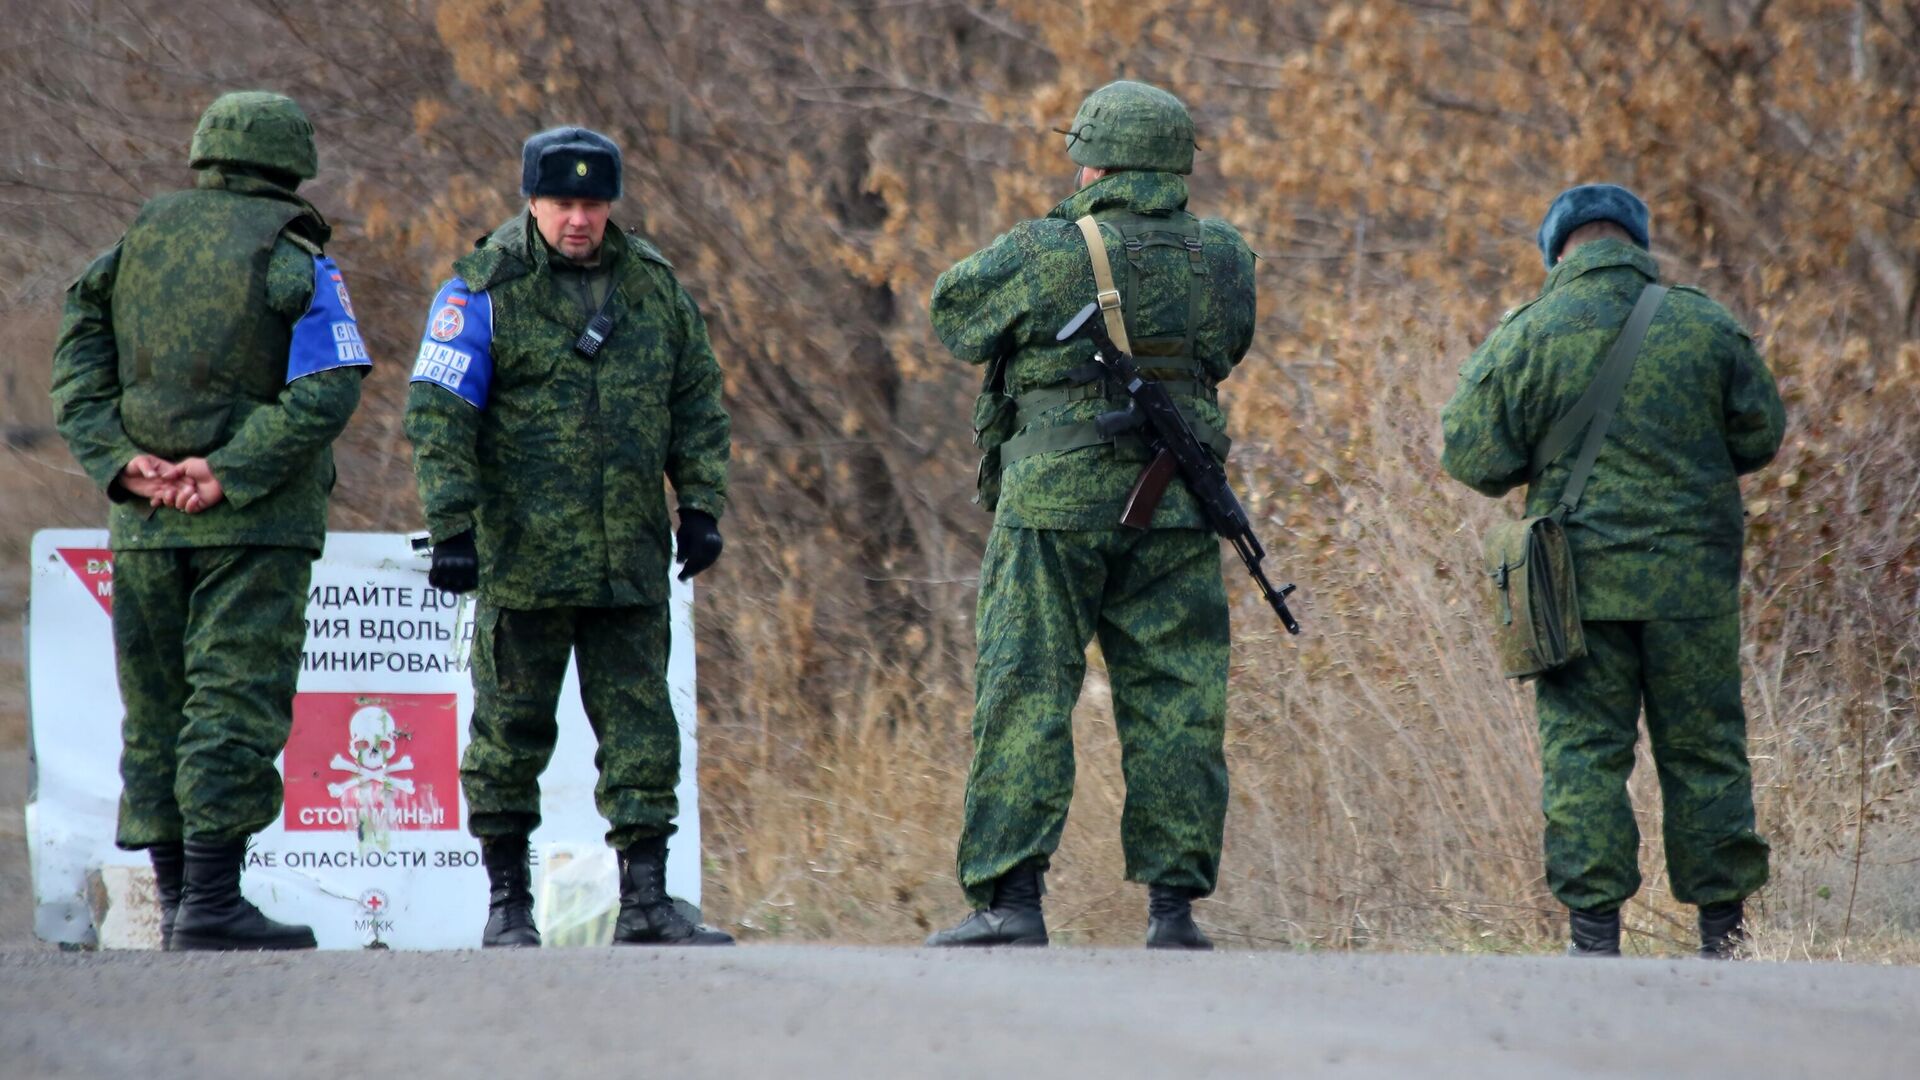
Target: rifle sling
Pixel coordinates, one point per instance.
(1108, 296)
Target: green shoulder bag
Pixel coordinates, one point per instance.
(1537, 607)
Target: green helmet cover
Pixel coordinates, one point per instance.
(256, 128)
(1131, 125)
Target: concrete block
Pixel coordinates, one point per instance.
(126, 909)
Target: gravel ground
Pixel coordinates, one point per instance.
(825, 1011)
(853, 1012)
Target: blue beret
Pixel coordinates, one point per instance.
(570, 163)
(1588, 203)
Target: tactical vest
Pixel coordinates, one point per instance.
(199, 344)
(1152, 244)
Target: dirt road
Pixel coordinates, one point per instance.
(821, 1011)
(789, 1011)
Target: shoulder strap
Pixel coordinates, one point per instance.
(1594, 411)
(646, 250)
(301, 242)
(1192, 237)
(1108, 296)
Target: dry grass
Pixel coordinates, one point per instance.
(1385, 781)
(40, 488)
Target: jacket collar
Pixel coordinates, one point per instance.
(310, 224)
(522, 239)
(1141, 192)
(516, 249)
(1601, 255)
(606, 260)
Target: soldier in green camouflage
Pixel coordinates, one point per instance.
(1059, 569)
(563, 372)
(205, 365)
(1656, 543)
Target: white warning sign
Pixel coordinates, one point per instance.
(371, 846)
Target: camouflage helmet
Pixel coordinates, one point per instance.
(256, 128)
(1131, 125)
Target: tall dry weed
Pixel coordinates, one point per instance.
(1385, 778)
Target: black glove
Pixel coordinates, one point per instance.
(456, 566)
(697, 541)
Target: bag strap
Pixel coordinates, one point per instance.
(1108, 296)
(1594, 411)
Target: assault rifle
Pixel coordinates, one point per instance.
(1152, 417)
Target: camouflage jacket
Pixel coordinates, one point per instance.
(1658, 533)
(558, 471)
(273, 457)
(1010, 299)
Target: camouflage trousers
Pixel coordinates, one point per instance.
(519, 660)
(207, 642)
(1687, 673)
(1157, 605)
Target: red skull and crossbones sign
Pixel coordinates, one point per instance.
(372, 741)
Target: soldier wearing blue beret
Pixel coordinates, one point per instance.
(1655, 539)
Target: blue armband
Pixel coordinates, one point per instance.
(457, 350)
(327, 336)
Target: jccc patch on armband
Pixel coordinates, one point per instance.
(456, 352)
(327, 336)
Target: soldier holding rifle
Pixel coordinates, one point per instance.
(1064, 464)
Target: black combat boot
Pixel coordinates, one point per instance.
(168, 861)
(510, 894)
(1594, 934)
(213, 914)
(1721, 932)
(1170, 922)
(1013, 919)
(647, 914)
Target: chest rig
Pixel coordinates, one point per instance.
(1152, 245)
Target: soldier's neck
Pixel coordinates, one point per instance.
(560, 260)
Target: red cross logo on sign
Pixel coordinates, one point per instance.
(447, 323)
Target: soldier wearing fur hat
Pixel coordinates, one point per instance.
(563, 372)
(1655, 538)
(1059, 569)
(205, 365)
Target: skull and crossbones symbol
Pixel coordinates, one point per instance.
(372, 741)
